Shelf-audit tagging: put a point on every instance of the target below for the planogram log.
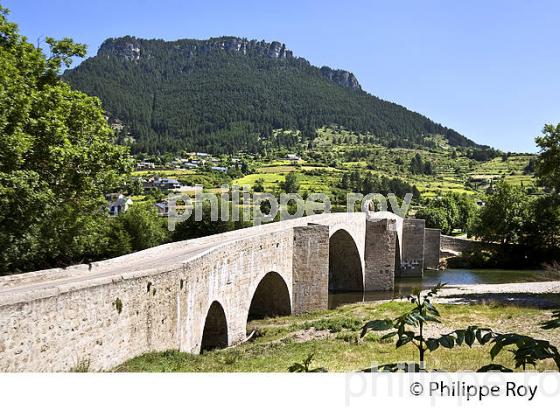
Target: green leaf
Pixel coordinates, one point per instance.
(496, 349)
(377, 325)
(405, 338)
(459, 337)
(469, 337)
(553, 323)
(486, 338)
(478, 334)
(447, 341)
(432, 344)
(389, 335)
(494, 368)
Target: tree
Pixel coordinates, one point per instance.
(290, 185)
(504, 217)
(259, 185)
(547, 167)
(419, 166)
(467, 212)
(530, 167)
(435, 218)
(448, 212)
(136, 186)
(345, 181)
(56, 158)
(543, 229)
(145, 228)
(191, 228)
(416, 164)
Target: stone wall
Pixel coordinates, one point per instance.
(432, 239)
(380, 247)
(310, 263)
(158, 299)
(230, 275)
(412, 262)
(104, 323)
(459, 245)
(109, 320)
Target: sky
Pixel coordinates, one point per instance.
(489, 69)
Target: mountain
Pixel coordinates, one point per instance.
(228, 94)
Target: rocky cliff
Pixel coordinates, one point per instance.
(133, 49)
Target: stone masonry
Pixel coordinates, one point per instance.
(432, 240)
(381, 241)
(310, 264)
(160, 298)
(412, 262)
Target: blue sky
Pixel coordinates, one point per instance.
(489, 69)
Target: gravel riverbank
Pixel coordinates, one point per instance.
(541, 294)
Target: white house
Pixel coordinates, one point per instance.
(119, 205)
(162, 208)
(293, 157)
(145, 165)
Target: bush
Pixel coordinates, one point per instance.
(144, 227)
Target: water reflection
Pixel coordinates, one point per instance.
(404, 286)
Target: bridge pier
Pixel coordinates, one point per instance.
(432, 240)
(412, 263)
(380, 249)
(310, 267)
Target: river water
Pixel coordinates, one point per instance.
(405, 286)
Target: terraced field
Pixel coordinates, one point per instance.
(337, 151)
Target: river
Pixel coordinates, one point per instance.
(404, 286)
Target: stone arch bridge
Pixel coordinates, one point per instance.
(199, 294)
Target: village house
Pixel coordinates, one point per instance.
(162, 208)
(119, 204)
(145, 165)
(167, 183)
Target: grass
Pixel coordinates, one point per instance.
(323, 166)
(164, 173)
(273, 176)
(333, 337)
(512, 169)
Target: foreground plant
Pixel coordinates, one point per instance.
(410, 328)
(526, 350)
(305, 366)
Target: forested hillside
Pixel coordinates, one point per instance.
(228, 94)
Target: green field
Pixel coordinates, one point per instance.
(333, 337)
(336, 151)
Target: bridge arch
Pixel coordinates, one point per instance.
(345, 263)
(270, 298)
(215, 333)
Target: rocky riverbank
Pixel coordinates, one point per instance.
(537, 294)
